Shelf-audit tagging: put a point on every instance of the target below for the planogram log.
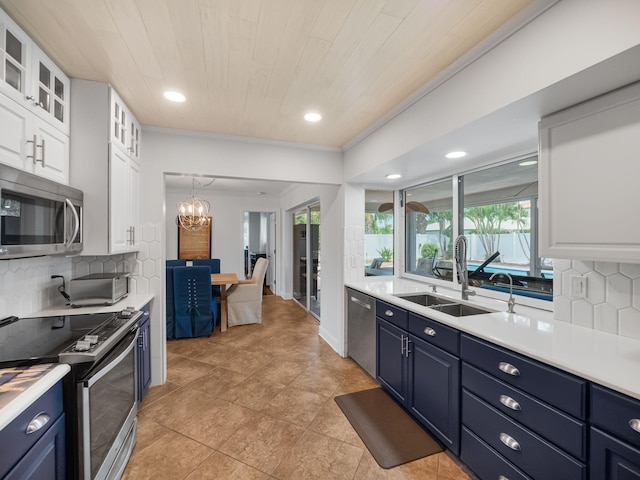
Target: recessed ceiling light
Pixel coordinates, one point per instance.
(526, 163)
(458, 154)
(174, 96)
(392, 176)
(312, 117)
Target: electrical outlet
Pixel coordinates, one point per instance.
(578, 286)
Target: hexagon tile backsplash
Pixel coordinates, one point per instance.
(612, 300)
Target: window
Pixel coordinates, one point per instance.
(378, 232)
(498, 215)
(500, 223)
(429, 230)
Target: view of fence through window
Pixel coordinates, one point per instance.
(499, 221)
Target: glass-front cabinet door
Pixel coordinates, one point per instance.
(13, 53)
(50, 91)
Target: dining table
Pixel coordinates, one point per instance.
(224, 279)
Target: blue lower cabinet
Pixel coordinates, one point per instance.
(32, 446)
(143, 354)
(46, 459)
(391, 361)
(612, 459)
(434, 391)
(521, 447)
(423, 378)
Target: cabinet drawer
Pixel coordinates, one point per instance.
(616, 413)
(526, 450)
(559, 428)
(14, 438)
(396, 315)
(485, 461)
(564, 391)
(434, 333)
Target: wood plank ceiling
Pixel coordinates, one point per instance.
(254, 67)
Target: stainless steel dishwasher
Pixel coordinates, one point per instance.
(361, 329)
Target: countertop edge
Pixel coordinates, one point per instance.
(136, 301)
(24, 400)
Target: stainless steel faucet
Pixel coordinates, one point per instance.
(460, 251)
(511, 303)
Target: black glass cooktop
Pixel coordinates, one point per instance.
(40, 340)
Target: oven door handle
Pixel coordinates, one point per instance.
(127, 344)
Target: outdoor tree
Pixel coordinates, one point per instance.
(488, 221)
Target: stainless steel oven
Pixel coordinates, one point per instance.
(100, 392)
(107, 408)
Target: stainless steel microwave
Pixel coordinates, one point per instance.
(38, 216)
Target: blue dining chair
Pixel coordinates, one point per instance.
(196, 311)
(176, 263)
(214, 265)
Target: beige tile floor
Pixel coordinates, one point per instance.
(257, 403)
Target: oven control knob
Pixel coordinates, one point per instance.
(92, 339)
(82, 346)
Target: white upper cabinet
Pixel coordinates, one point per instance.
(34, 106)
(125, 129)
(589, 173)
(104, 167)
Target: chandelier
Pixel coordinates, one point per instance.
(193, 213)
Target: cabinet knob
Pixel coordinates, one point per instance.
(634, 423)
(510, 442)
(502, 477)
(509, 402)
(430, 331)
(389, 313)
(509, 369)
(38, 422)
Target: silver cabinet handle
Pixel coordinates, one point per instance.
(38, 422)
(510, 442)
(406, 350)
(509, 402)
(33, 149)
(43, 150)
(361, 303)
(430, 331)
(509, 369)
(634, 423)
(388, 313)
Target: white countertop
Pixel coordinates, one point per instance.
(29, 384)
(609, 360)
(136, 301)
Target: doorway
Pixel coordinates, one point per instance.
(307, 285)
(260, 242)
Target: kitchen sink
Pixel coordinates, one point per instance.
(424, 299)
(444, 305)
(459, 309)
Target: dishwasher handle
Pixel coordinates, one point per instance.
(361, 303)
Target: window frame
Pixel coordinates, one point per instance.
(457, 180)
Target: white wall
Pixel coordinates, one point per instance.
(227, 212)
(331, 250)
(171, 151)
